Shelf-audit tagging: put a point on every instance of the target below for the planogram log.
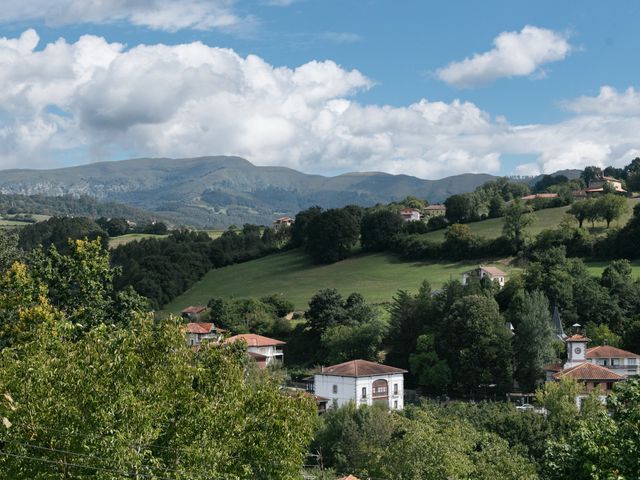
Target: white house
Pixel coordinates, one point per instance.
(282, 222)
(362, 382)
(493, 273)
(587, 366)
(410, 214)
(197, 332)
(264, 350)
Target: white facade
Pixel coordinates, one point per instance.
(483, 273)
(362, 390)
(576, 352)
(272, 352)
(197, 338)
(411, 215)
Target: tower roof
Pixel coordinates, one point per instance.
(578, 338)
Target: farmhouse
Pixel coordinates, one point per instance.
(410, 214)
(361, 382)
(436, 210)
(282, 222)
(597, 185)
(193, 313)
(492, 273)
(264, 350)
(197, 332)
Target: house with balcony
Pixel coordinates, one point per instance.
(362, 382)
(597, 367)
(264, 350)
(198, 332)
(410, 215)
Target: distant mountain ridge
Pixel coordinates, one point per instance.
(222, 190)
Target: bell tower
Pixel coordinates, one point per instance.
(576, 350)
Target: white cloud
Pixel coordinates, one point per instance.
(608, 102)
(341, 37)
(193, 99)
(514, 54)
(169, 15)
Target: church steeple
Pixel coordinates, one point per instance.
(558, 330)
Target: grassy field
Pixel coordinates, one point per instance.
(547, 218)
(131, 237)
(376, 276)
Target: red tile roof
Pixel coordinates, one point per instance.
(196, 309)
(494, 271)
(588, 371)
(359, 368)
(200, 328)
(577, 338)
(349, 477)
(607, 351)
(254, 340)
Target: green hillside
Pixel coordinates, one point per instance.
(547, 218)
(376, 276)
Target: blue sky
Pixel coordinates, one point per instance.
(380, 85)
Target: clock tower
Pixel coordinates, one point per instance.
(576, 350)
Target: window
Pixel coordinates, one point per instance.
(364, 392)
(609, 385)
(631, 361)
(335, 389)
(395, 404)
(615, 362)
(395, 388)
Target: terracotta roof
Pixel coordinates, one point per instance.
(196, 309)
(578, 338)
(349, 477)
(200, 328)
(588, 371)
(359, 368)
(607, 351)
(254, 340)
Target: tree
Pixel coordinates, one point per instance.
(378, 228)
(431, 372)
(9, 250)
(460, 243)
(611, 207)
(57, 231)
(581, 210)
(476, 345)
(517, 217)
(459, 208)
(302, 221)
(332, 235)
(135, 400)
(326, 309)
(347, 342)
(559, 399)
(533, 341)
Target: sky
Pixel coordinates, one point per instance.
(429, 89)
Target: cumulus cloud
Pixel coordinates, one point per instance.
(514, 54)
(609, 102)
(193, 99)
(169, 15)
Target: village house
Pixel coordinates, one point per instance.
(596, 186)
(264, 350)
(282, 222)
(436, 210)
(197, 332)
(410, 215)
(192, 313)
(492, 273)
(597, 367)
(361, 382)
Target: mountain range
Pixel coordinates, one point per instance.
(217, 191)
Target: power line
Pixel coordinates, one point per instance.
(88, 467)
